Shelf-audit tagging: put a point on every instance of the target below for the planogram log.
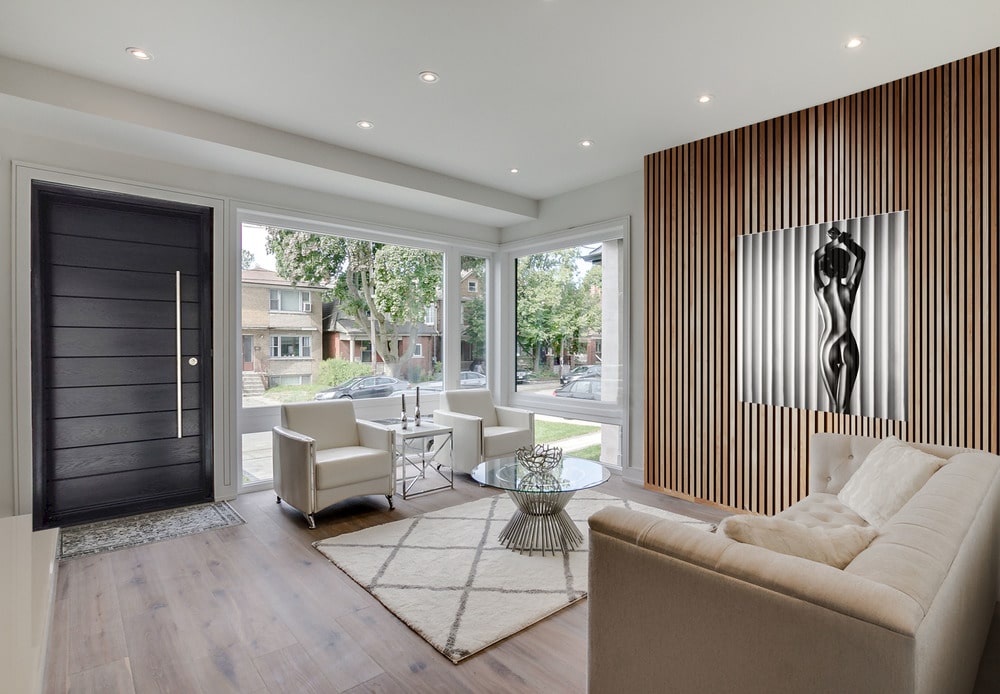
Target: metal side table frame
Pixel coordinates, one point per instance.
(417, 449)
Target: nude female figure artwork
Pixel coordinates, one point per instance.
(837, 268)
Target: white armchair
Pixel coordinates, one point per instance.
(482, 430)
(323, 454)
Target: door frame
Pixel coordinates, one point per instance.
(224, 264)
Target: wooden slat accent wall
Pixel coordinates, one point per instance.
(929, 144)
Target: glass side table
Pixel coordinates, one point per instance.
(540, 521)
(418, 448)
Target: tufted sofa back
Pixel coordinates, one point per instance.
(833, 458)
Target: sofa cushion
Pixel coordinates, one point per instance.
(834, 546)
(819, 510)
(915, 550)
(339, 467)
(892, 473)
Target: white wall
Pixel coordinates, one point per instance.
(19, 146)
(611, 199)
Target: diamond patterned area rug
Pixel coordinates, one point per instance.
(447, 577)
(117, 533)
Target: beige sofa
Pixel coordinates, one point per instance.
(674, 609)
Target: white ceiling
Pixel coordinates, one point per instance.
(522, 81)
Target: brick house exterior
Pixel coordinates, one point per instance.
(281, 328)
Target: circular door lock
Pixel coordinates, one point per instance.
(193, 361)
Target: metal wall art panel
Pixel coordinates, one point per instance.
(822, 323)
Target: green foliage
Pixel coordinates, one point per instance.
(382, 287)
(547, 432)
(552, 303)
(406, 282)
(247, 260)
(474, 326)
(474, 309)
(301, 393)
(588, 453)
(332, 372)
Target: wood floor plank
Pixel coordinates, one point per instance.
(57, 657)
(228, 670)
(92, 613)
(259, 626)
(383, 684)
(114, 677)
(292, 670)
(157, 654)
(402, 653)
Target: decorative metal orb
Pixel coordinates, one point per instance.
(540, 458)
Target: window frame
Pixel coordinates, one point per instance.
(303, 340)
(305, 300)
(599, 411)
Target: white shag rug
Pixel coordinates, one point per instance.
(108, 535)
(447, 577)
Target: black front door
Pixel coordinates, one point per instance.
(121, 354)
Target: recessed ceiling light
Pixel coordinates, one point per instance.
(586, 144)
(704, 98)
(514, 170)
(854, 42)
(365, 124)
(428, 77)
(138, 53)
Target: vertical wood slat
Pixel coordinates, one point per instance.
(929, 144)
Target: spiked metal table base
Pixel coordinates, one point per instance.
(541, 523)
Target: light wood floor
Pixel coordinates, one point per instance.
(254, 608)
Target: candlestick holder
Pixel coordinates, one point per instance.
(416, 410)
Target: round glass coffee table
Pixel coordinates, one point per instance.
(540, 522)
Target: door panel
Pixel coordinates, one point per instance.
(111, 371)
(94, 253)
(105, 379)
(105, 400)
(184, 483)
(119, 457)
(114, 284)
(113, 342)
(73, 432)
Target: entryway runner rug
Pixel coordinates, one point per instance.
(447, 577)
(105, 536)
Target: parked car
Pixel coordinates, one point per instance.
(523, 376)
(588, 388)
(471, 379)
(581, 372)
(364, 387)
(467, 379)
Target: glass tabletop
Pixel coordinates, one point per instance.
(572, 474)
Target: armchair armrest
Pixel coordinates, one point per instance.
(294, 456)
(514, 417)
(372, 435)
(467, 438)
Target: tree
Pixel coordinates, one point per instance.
(384, 288)
(548, 302)
(248, 260)
(474, 326)
(474, 309)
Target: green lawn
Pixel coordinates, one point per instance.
(294, 393)
(547, 432)
(589, 453)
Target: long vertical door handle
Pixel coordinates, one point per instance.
(177, 331)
